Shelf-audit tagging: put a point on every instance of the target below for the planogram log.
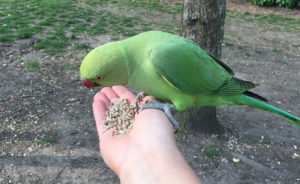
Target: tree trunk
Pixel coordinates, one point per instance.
(203, 23)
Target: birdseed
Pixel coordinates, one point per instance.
(120, 116)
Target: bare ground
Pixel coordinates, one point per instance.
(47, 131)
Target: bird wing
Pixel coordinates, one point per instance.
(188, 68)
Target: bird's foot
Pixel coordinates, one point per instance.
(166, 107)
(139, 97)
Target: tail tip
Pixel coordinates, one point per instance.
(296, 122)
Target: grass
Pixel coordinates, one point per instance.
(275, 50)
(265, 140)
(99, 27)
(6, 37)
(276, 22)
(173, 8)
(274, 41)
(69, 66)
(50, 46)
(46, 72)
(229, 44)
(58, 23)
(24, 33)
(276, 29)
(81, 46)
(247, 54)
(45, 139)
(32, 66)
(258, 51)
(212, 152)
(59, 80)
(263, 38)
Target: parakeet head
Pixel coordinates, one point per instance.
(104, 65)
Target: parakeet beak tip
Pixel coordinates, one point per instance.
(87, 83)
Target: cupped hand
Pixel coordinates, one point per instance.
(152, 134)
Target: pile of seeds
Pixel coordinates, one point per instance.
(120, 116)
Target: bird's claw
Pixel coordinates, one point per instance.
(139, 97)
(166, 107)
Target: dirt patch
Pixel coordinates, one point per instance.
(48, 135)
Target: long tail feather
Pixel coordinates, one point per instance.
(254, 95)
(252, 102)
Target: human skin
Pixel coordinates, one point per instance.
(148, 154)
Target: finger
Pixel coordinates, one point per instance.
(102, 97)
(110, 94)
(100, 105)
(123, 92)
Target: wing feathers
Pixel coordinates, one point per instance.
(234, 86)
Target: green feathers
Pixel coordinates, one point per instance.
(171, 68)
(178, 62)
(234, 86)
(245, 100)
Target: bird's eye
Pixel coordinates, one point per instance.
(99, 77)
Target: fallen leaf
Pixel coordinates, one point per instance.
(235, 159)
(296, 155)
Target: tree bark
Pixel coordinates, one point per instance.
(203, 23)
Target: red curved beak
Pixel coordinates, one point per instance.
(87, 83)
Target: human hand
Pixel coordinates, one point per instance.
(149, 148)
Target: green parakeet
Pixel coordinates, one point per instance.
(173, 69)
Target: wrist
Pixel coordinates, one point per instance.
(157, 166)
(147, 165)
(155, 158)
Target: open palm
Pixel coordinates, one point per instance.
(151, 131)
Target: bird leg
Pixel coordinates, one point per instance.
(139, 97)
(166, 107)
